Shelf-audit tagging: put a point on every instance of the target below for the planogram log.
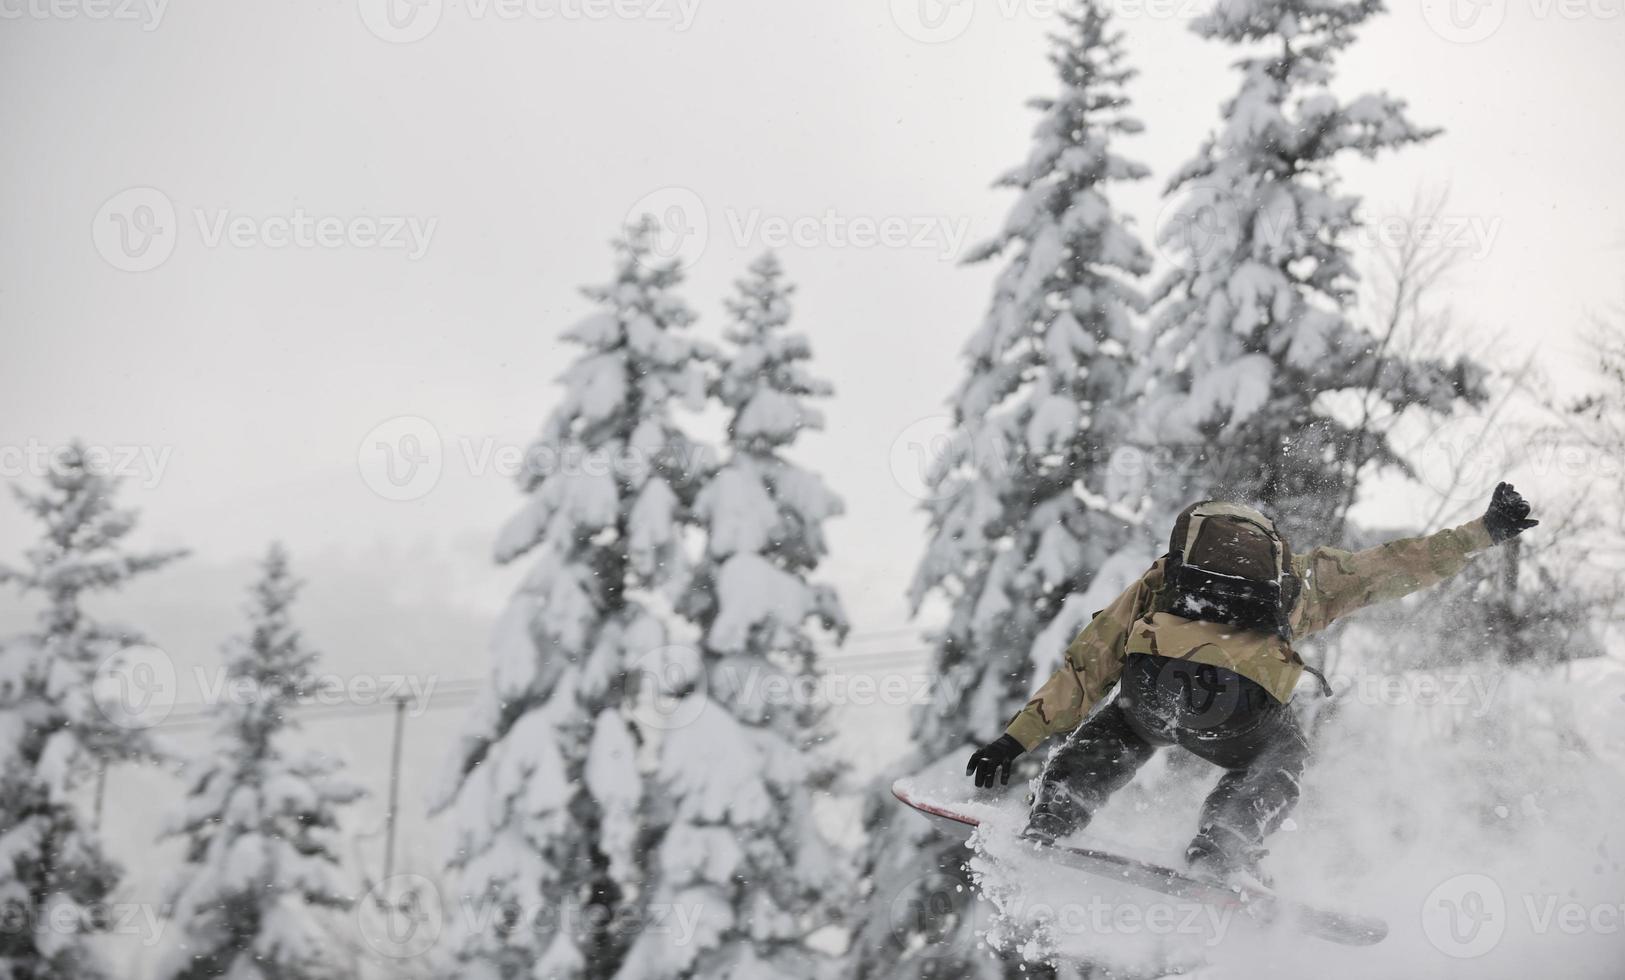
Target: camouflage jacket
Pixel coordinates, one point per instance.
(1334, 584)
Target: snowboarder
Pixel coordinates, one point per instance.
(1201, 647)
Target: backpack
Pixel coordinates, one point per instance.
(1228, 564)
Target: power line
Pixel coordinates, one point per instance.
(461, 691)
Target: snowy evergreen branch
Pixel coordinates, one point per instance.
(739, 773)
(54, 734)
(545, 791)
(1026, 513)
(1253, 328)
(256, 896)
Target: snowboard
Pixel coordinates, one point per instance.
(1264, 906)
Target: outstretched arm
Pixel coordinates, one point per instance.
(1336, 582)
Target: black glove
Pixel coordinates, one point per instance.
(1508, 515)
(994, 758)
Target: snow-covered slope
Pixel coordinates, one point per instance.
(1480, 814)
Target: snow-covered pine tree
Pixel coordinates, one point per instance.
(545, 791)
(1029, 532)
(1252, 328)
(256, 896)
(742, 759)
(53, 734)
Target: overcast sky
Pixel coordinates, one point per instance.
(494, 155)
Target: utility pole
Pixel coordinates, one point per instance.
(394, 788)
(101, 792)
(1509, 571)
(1512, 556)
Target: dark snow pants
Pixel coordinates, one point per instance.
(1220, 716)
